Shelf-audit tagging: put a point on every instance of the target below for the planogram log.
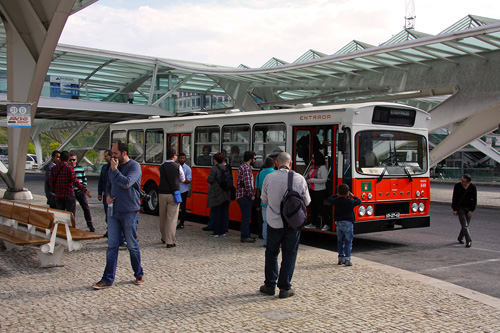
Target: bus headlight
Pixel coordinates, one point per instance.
(421, 206)
(363, 196)
(361, 211)
(417, 194)
(369, 210)
(370, 196)
(414, 207)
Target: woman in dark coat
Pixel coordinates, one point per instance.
(218, 199)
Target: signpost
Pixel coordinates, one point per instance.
(19, 115)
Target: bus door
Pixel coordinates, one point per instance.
(324, 142)
(181, 142)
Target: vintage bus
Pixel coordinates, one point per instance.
(379, 149)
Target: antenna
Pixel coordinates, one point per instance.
(410, 15)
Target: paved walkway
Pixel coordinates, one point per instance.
(211, 285)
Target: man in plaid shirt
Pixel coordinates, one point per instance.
(62, 180)
(245, 194)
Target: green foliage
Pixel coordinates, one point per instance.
(3, 136)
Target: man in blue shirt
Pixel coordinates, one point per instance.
(125, 202)
(184, 188)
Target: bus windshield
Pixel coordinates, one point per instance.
(391, 153)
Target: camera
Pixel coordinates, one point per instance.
(144, 196)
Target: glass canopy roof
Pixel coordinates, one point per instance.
(108, 76)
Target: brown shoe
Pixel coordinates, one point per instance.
(267, 290)
(286, 293)
(139, 280)
(101, 285)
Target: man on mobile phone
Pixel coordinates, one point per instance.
(123, 174)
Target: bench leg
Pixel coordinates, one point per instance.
(11, 246)
(51, 259)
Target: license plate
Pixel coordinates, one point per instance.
(392, 215)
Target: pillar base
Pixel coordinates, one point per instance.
(18, 195)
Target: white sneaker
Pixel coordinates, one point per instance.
(325, 228)
(310, 226)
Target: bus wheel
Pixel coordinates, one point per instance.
(151, 207)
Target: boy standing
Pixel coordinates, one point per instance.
(344, 217)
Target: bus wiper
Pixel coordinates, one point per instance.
(382, 174)
(408, 173)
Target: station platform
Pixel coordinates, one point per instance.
(210, 284)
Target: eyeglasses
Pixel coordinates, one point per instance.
(72, 160)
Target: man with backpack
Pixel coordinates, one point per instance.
(279, 232)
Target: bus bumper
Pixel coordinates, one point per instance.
(363, 227)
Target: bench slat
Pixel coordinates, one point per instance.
(76, 234)
(6, 210)
(20, 213)
(20, 237)
(41, 219)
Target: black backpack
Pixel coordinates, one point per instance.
(226, 182)
(226, 179)
(292, 208)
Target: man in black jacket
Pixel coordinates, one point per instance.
(171, 175)
(463, 203)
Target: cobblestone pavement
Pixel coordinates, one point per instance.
(211, 285)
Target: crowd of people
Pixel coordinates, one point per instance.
(119, 190)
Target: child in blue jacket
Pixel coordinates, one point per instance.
(344, 217)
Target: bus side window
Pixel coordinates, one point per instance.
(236, 142)
(207, 143)
(268, 139)
(154, 146)
(118, 135)
(136, 145)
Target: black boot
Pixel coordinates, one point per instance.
(91, 227)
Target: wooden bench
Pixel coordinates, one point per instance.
(25, 225)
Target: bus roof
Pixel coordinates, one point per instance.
(299, 109)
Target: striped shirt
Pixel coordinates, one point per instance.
(80, 175)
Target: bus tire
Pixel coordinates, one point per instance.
(152, 206)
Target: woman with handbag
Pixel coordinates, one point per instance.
(218, 198)
(171, 175)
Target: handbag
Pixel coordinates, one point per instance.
(177, 196)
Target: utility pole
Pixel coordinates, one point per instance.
(410, 15)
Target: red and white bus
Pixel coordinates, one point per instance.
(379, 149)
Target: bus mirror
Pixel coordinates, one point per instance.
(342, 142)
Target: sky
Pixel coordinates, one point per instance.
(251, 32)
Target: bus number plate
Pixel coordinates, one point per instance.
(392, 215)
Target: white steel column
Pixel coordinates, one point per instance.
(33, 29)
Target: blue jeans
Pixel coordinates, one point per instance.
(264, 224)
(246, 213)
(345, 234)
(119, 223)
(288, 239)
